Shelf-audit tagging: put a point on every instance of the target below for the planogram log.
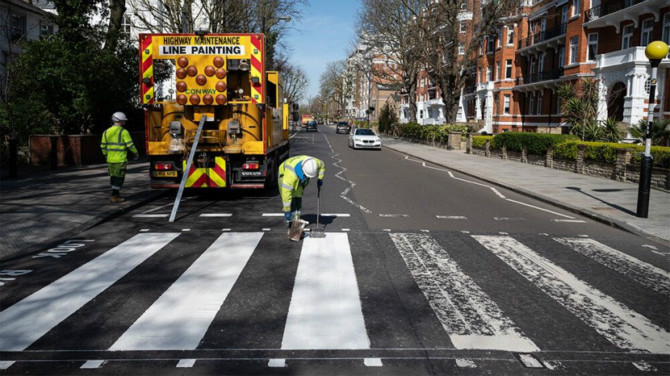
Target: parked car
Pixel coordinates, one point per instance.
(342, 127)
(310, 126)
(364, 138)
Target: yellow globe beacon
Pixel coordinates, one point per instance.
(656, 50)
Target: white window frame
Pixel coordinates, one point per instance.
(461, 48)
(574, 50)
(646, 32)
(489, 74)
(126, 24)
(498, 71)
(506, 104)
(592, 47)
(499, 38)
(576, 5)
(538, 103)
(540, 63)
(665, 35)
(510, 36)
(531, 104)
(490, 44)
(561, 56)
(508, 68)
(464, 27)
(626, 37)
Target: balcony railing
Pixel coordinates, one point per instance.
(540, 76)
(543, 36)
(609, 7)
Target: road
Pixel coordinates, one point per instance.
(423, 271)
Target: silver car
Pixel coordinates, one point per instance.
(363, 138)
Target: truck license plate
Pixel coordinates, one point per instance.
(165, 174)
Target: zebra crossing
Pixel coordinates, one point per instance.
(326, 310)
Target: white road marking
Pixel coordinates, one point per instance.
(569, 220)
(4, 364)
(387, 230)
(339, 215)
(468, 315)
(529, 361)
(450, 217)
(216, 215)
(346, 229)
(31, 318)
(185, 229)
(266, 229)
(186, 363)
(272, 214)
(373, 362)
(650, 246)
(150, 215)
(646, 274)
(325, 310)
(511, 219)
(394, 215)
(465, 363)
(616, 322)
(144, 230)
(277, 363)
(179, 318)
(225, 229)
(539, 208)
(92, 364)
(644, 366)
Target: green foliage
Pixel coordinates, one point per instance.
(612, 131)
(604, 151)
(536, 143)
(387, 119)
(661, 155)
(434, 133)
(660, 131)
(607, 152)
(360, 123)
(580, 107)
(567, 150)
(480, 141)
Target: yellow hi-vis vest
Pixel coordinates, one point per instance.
(289, 183)
(115, 143)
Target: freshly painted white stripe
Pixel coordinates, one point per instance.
(451, 217)
(387, 230)
(277, 363)
(185, 229)
(216, 215)
(394, 215)
(529, 361)
(144, 230)
(341, 215)
(616, 322)
(272, 214)
(186, 363)
(266, 229)
(150, 215)
(225, 229)
(646, 274)
(32, 317)
(468, 315)
(325, 310)
(373, 362)
(346, 229)
(179, 318)
(92, 364)
(465, 363)
(539, 208)
(512, 219)
(644, 366)
(4, 364)
(497, 192)
(569, 220)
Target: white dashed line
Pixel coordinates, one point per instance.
(186, 363)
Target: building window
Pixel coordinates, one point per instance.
(573, 49)
(479, 75)
(558, 105)
(593, 46)
(539, 103)
(576, 4)
(498, 71)
(461, 48)
(510, 36)
(499, 38)
(490, 40)
(506, 104)
(17, 26)
(508, 68)
(532, 66)
(464, 27)
(464, 5)
(561, 56)
(647, 28)
(627, 37)
(540, 63)
(531, 102)
(46, 30)
(126, 24)
(666, 28)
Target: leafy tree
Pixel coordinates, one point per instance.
(579, 103)
(660, 131)
(387, 119)
(611, 130)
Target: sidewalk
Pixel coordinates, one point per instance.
(607, 201)
(43, 206)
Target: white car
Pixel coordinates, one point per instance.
(362, 138)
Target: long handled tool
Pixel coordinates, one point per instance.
(317, 232)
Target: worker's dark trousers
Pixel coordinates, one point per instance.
(117, 174)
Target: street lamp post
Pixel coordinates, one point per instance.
(655, 52)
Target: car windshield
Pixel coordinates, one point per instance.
(365, 132)
(311, 122)
(342, 123)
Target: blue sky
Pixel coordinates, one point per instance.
(324, 34)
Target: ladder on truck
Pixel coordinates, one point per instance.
(189, 163)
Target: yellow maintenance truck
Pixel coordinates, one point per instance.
(227, 116)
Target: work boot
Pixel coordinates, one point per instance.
(117, 199)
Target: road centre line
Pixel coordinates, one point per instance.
(214, 215)
(450, 217)
(616, 322)
(40, 312)
(150, 215)
(569, 220)
(179, 318)
(394, 215)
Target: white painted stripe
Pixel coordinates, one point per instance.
(394, 215)
(346, 229)
(373, 362)
(179, 318)
(277, 363)
(511, 219)
(92, 364)
(144, 230)
(325, 310)
(266, 229)
(4, 364)
(451, 217)
(341, 215)
(465, 363)
(216, 215)
(529, 361)
(186, 363)
(497, 192)
(644, 366)
(150, 215)
(468, 315)
(616, 322)
(272, 215)
(569, 220)
(539, 208)
(40, 312)
(646, 274)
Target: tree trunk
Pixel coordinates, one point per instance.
(117, 8)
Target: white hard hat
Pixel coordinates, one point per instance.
(119, 116)
(309, 167)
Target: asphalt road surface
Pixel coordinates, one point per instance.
(423, 271)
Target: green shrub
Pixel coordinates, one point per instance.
(604, 151)
(436, 133)
(480, 141)
(607, 152)
(567, 150)
(661, 156)
(536, 143)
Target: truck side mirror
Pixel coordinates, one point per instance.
(296, 107)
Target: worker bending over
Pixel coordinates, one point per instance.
(294, 175)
